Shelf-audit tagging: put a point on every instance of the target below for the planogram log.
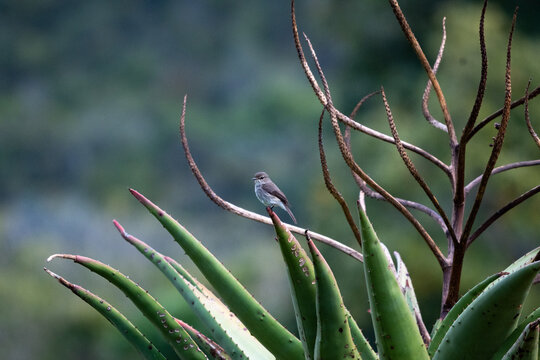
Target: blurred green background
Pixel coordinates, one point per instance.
(90, 96)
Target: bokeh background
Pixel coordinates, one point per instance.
(90, 96)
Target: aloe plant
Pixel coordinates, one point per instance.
(485, 323)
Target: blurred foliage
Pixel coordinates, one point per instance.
(90, 94)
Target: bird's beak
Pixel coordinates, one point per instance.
(253, 178)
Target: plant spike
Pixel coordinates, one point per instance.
(176, 336)
(115, 317)
(278, 340)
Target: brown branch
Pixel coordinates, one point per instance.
(481, 86)
(347, 156)
(425, 98)
(345, 119)
(427, 67)
(459, 159)
(374, 195)
(512, 204)
(245, 213)
(332, 189)
(412, 169)
(500, 169)
(528, 119)
(499, 139)
(499, 112)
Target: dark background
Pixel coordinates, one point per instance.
(90, 96)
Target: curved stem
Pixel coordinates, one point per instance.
(243, 212)
(425, 98)
(512, 204)
(427, 67)
(412, 169)
(500, 169)
(345, 119)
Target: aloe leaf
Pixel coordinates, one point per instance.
(407, 289)
(526, 346)
(301, 275)
(395, 327)
(334, 339)
(362, 345)
(115, 317)
(212, 349)
(511, 339)
(175, 335)
(524, 260)
(276, 338)
(484, 325)
(226, 329)
(457, 309)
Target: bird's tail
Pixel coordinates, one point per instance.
(290, 213)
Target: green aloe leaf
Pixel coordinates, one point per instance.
(115, 317)
(526, 259)
(301, 276)
(212, 349)
(395, 327)
(176, 336)
(526, 346)
(226, 329)
(485, 324)
(363, 346)
(334, 339)
(457, 309)
(406, 285)
(511, 339)
(276, 338)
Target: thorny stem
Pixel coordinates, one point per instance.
(243, 212)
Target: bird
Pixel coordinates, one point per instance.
(269, 194)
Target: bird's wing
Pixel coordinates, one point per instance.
(274, 190)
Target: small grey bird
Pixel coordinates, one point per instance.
(269, 194)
